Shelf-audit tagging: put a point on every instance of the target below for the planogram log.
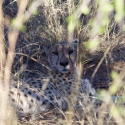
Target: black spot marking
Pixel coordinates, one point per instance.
(29, 92)
(40, 85)
(51, 98)
(18, 94)
(39, 80)
(44, 102)
(33, 82)
(11, 92)
(47, 88)
(15, 86)
(21, 109)
(42, 96)
(38, 98)
(32, 100)
(51, 80)
(25, 95)
(34, 91)
(13, 100)
(49, 92)
(23, 90)
(30, 106)
(21, 102)
(68, 78)
(39, 90)
(68, 88)
(70, 82)
(69, 85)
(60, 80)
(58, 97)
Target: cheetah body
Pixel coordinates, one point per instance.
(57, 88)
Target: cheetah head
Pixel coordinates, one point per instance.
(62, 56)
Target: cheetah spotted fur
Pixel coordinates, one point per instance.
(57, 88)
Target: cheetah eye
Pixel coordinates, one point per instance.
(55, 53)
(71, 51)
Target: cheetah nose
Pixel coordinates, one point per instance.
(63, 64)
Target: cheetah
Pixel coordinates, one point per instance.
(55, 89)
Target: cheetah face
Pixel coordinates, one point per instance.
(62, 56)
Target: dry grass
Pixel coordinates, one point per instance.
(6, 65)
(49, 25)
